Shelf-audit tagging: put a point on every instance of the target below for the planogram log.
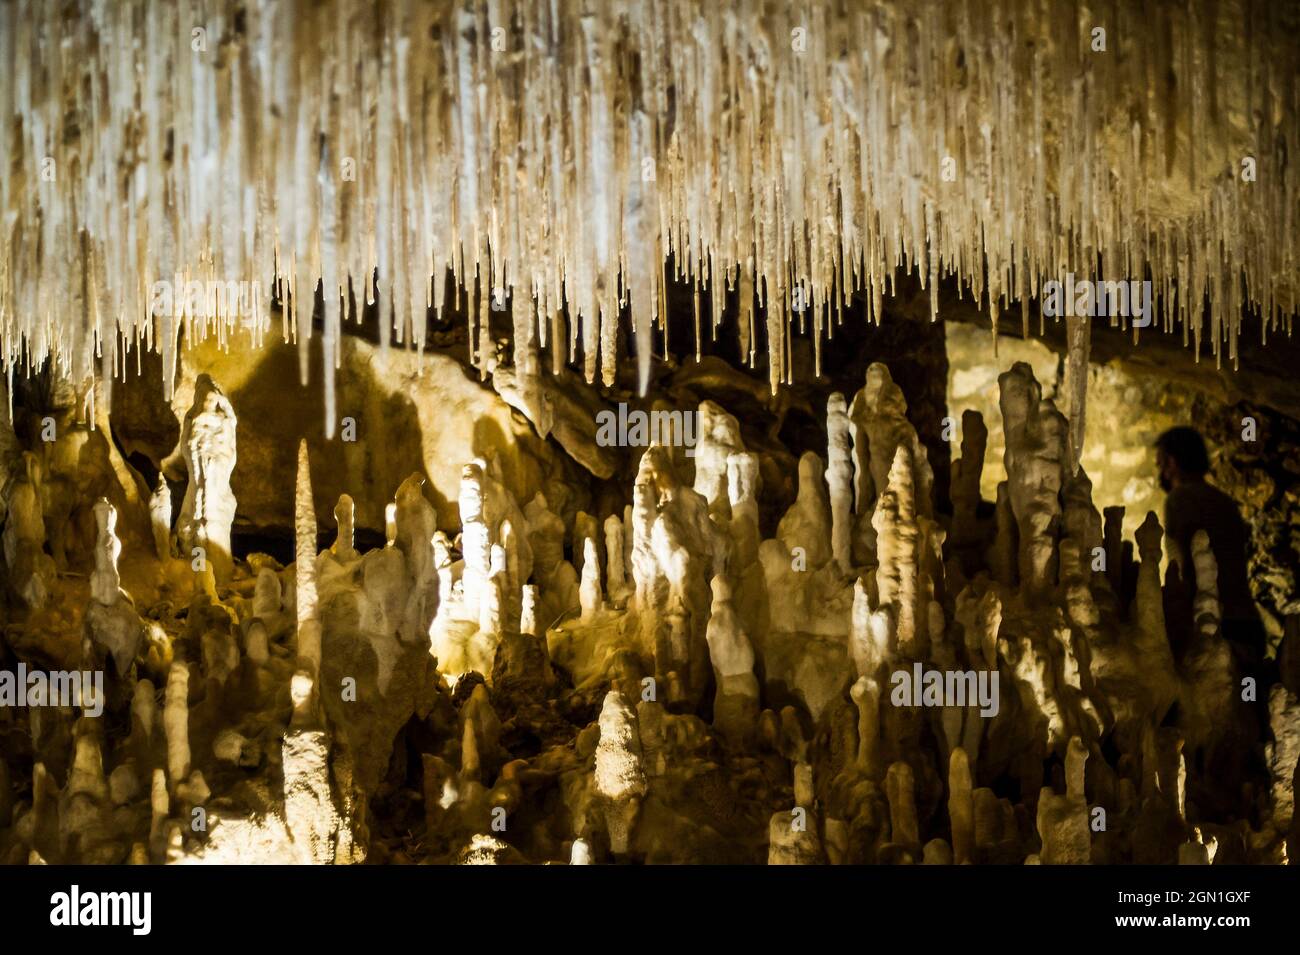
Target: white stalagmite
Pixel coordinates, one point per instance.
(390, 524)
(589, 592)
(585, 527)
(839, 480)
(615, 580)
(1063, 820)
(475, 541)
(870, 631)
(807, 524)
(619, 778)
(528, 611)
(160, 806)
(1035, 455)
(491, 608)
(718, 439)
(897, 578)
(308, 610)
(160, 518)
(105, 584)
(736, 703)
(207, 446)
(176, 723)
(111, 621)
(878, 426)
(309, 810)
(344, 516)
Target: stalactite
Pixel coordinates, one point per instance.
(277, 162)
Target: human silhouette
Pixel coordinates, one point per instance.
(1191, 505)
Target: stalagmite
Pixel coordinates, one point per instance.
(1149, 600)
(793, 838)
(144, 712)
(899, 789)
(870, 633)
(31, 568)
(644, 567)
(442, 563)
(1035, 434)
(266, 594)
(580, 853)
(475, 540)
(176, 722)
(1283, 755)
(897, 578)
(736, 703)
(961, 808)
(1003, 554)
(160, 518)
(84, 821)
(528, 611)
(309, 810)
(111, 620)
(585, 527)
(305, 599)
(160, 806)
(344, 516)
(966, 473)
(866, 695)
(86, 775)
(207, 450)
(719, 437)
(470, 770)
(619, 777)
(615, 582)
(807, 524)
(878, 426)
(390, 524)
(492, 600)
(1063, 820)
(839, 477)
(742, 486)
(416, 524)
(589, 591)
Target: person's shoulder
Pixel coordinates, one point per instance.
(1220, 507)
(1197, 502)
(1181, 496)
(1217, 495)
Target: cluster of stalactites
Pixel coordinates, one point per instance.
(556, 155)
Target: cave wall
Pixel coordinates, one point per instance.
(413, 415)
(1263, 476)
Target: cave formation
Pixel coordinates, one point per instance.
(643, 431)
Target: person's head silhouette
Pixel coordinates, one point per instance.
(1181, 457)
